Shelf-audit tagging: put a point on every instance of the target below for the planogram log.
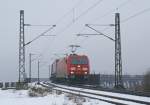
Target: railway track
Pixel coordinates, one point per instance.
(114, 98)
(123, 91)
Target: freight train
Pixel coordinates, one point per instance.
(72, 67)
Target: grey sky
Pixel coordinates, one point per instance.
(135, 34)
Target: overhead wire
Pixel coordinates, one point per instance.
(78, 17)
(70, 11)
(112, 10)
(106, 14)
(85, 12)
(135, 15)
(109, 12)
(62, 17)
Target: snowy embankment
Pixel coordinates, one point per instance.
(21, 97)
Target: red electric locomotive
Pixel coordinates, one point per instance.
(72, 67)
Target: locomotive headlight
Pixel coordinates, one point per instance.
(84, 68)
(73, 68)
(72, 72)
(78, 66)
(85, 72)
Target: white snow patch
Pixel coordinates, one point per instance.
(20, 97)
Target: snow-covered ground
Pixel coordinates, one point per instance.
(20, 97)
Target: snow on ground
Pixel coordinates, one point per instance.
(20, 97)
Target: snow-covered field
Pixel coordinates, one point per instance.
(20, 97)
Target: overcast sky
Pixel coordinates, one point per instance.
(70, 16)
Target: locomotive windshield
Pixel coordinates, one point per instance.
(79, 61)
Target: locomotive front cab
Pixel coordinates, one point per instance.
(78, 66)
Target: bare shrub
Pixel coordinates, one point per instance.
(146, 85)
(37, 91)
(76, 99)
